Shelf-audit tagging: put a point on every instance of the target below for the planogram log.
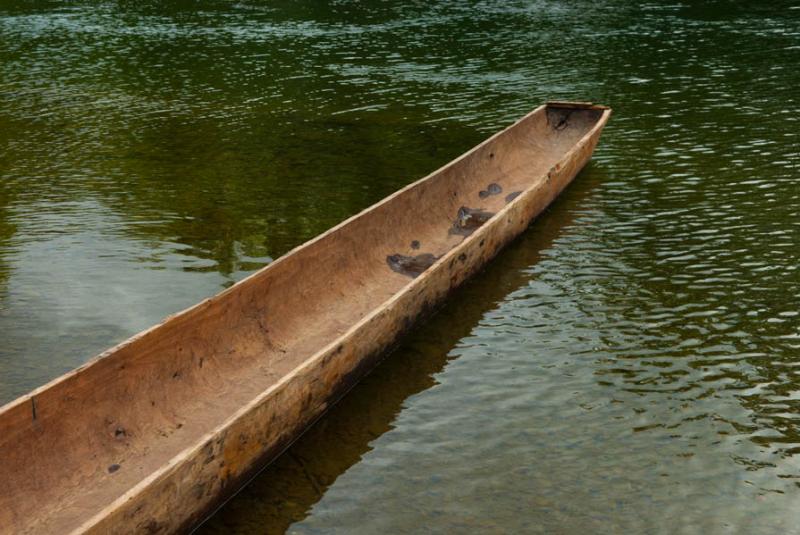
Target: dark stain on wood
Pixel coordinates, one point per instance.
(492, 189)
(411, 266)
(468, 220)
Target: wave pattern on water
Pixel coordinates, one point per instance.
(630, 364)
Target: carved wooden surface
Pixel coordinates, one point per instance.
(154, 433)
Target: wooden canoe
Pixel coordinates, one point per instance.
(153, 434)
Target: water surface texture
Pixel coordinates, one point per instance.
(630, 364)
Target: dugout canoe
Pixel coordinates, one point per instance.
(153, 434)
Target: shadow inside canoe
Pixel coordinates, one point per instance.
(286, 490)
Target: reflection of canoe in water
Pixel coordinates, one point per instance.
(157, 431)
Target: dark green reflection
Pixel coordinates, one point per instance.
(259, 195)
(7, 229)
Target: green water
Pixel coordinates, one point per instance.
(631, 364)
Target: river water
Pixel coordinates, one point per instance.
(630, 364)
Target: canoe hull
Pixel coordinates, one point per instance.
(192, 484)
(182, 498)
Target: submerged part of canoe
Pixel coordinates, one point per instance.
(153, 434)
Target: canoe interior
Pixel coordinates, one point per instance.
(74, 446)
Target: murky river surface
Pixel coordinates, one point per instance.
(631, 364)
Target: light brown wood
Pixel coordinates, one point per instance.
(154, 433)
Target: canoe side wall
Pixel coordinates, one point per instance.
(195, 483)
